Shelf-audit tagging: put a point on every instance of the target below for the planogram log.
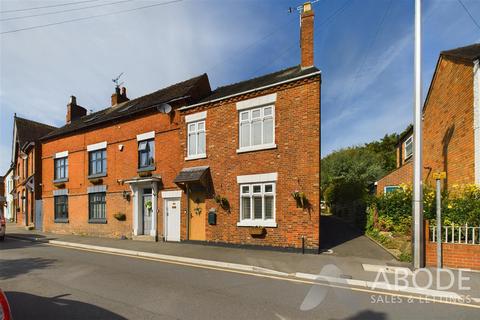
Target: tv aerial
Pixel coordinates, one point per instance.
(117, 81)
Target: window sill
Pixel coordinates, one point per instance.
(143, 169)
(257, 148)
(60, 180)
(97, 221)
(253, 223)
(98, 175)
(195, 157)
(60, 220)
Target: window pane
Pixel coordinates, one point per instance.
(257, 207)
(245, 134)
(256, 133)
(201, 142)
(267, 111)
(245, 208)
(268, 188)
(142, 145)
(245, 189)
(257, 189)
(192, 144)
(256, 113)
(191, 127)
(244, 116)
(268, 131)
(268, 207)
(201, 126)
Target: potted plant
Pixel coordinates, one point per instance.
(120, 216)
(300, 198)
(222, 202)
(148, 205)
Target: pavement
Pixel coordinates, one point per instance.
(42, 281)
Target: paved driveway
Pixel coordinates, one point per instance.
(347, 241)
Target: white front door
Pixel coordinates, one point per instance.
(172, 221)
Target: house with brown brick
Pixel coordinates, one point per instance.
(451, 123)
(237, 165)
(27, 171)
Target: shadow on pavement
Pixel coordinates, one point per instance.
(29, 306)
(11, 241)
(15, 267)
(334, 232)
(368, 315)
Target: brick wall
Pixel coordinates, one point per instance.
(121, 165)
(448, 140)
(296, 159)
(453, 255)
(402, 175)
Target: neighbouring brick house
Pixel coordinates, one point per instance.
(27, 170)
(189, 163)
(451, 123)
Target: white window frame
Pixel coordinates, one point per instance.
(262, 146)
(196, 119)
(252, 221)
(255, 180)
(408, 141)
(390, 186)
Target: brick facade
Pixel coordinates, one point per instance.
(296, 159)
(121, 165)
(448, 135)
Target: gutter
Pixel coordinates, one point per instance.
(249, 91)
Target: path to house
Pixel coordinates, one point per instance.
(347, 241)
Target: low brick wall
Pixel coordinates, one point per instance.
(454, 255)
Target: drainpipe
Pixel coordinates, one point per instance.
(188, 212)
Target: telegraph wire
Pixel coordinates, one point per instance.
(49, 6)
(295, 44)
(469, 14)
(90, 17)
(66, 10)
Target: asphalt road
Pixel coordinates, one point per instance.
(48, 282)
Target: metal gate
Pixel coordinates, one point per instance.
(38, 215)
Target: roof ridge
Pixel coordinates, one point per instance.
(35, 122)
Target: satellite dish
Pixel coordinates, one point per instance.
(164, 108)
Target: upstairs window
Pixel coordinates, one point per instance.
(409, 147)
(146, 154)
(257, 128)
(61, 168)
(97, 162)
(196, 139)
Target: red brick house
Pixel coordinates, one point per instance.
(27, 170)
(451, 123)
(237, 165)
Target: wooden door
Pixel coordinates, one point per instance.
(198, 215)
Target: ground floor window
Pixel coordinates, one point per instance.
(97, 207)
(257, 203)
(61, 208)
(389, 189)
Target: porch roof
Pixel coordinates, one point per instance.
(153, 178)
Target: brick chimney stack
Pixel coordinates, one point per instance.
(306, 35)
(119, 96)
(74, 111)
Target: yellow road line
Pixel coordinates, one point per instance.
(309, 282)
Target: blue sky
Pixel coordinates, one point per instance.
(363, 47)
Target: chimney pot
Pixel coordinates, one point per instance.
(119, 96)
(74, 111)
(306, 35)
